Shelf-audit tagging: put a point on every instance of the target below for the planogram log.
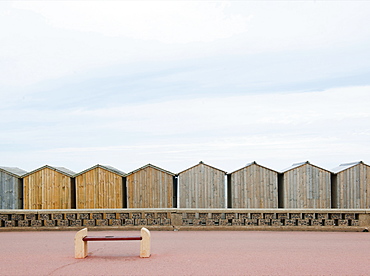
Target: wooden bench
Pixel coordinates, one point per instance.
(81, 239)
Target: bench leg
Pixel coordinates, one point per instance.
(145, 243)
(80, 245)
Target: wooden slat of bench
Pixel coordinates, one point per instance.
(111, 238)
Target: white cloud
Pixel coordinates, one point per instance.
(277, 129)
(164, 21)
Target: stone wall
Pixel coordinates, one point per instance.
(187, 219)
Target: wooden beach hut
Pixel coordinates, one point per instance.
(253, 186)
(304, 185)
(202, 186)
(100, 187)
(150, 187)
(11, 189)
(48, 188)
(351, 186)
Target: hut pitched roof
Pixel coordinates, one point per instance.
(14, 171)
(61, 170)
(297, 165)
(346, 166)
(151, 166)
(202, 163)
(106, 167)
(254, 163)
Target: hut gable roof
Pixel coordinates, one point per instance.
(105, 167)
(346, 166)
(297, 165)
(61, 170)
(201, 163)
(151, 166)
(253, 163)
(14, 171)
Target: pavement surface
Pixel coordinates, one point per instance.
(189, 253)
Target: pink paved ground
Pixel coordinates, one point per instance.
(190, 253)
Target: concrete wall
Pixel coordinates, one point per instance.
(187, 219)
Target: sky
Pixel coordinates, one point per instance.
(173, 83)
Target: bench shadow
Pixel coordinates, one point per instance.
(121, 257)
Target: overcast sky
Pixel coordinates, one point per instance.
(173, 83)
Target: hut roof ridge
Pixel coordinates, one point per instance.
(202, 163)
(345, 166)
(297, 165)
(61, 170)
(151, 166)
(253, 163)
(106, 167)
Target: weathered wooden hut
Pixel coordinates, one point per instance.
(202, 186)
(49, 188)
(351, 186)
(253, 186)
(11, 189)
(304, 185)
(100, 187)
(150, 187)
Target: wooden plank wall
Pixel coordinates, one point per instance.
(254, 187)
(47, 189)
(100, 189)
(307, 186)
(149, 188)
(202, 187)
(10, 191)
(352, 188)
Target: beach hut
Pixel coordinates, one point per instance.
(11, 190)
(202, 186)
(100, 187)
(351, 186)
(150, 187)
(253, 186)
(304, 185)
(48, 188)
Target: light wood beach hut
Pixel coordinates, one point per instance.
(305, 185)
(253, 186)
(11, 189)
(150, 187)
(48, 188)
(351, 186)
(202, 186)
(100, 187)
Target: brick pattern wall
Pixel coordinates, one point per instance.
(168, 219)
(84, 219)
(270, 219)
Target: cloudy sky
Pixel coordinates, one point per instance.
(172, 83)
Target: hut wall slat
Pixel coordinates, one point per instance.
(149, 188)
(47, 189)
(202, 187)
(99, 188)
(10, 194)
(307, 186)
(254, 187)
(353, 187)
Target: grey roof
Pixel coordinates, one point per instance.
(17, 172)
(202, 163)
(152, 166)
(254, 163)
(61, 170)
(345, 166)
(106, 167)
(297, 165)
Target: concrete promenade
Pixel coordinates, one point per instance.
(189, 253)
